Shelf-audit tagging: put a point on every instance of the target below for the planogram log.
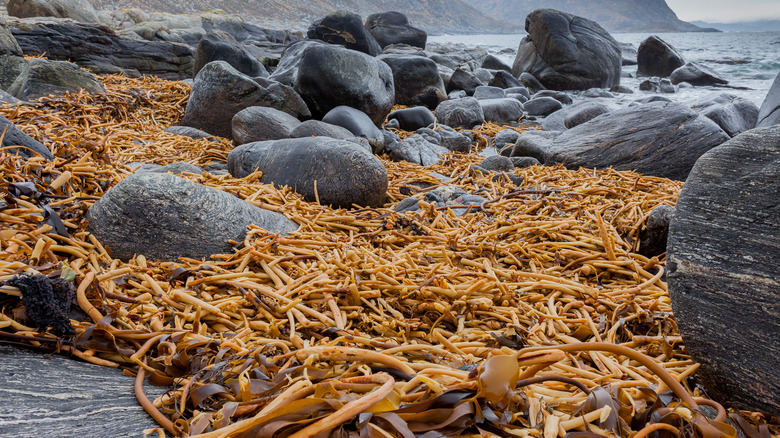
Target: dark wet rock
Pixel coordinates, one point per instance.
(463, 80)
(505, 110)
(403, 49)
(316, 128)
(258, 123)
(178, 168)
(346, 29)
(504, 80)
(457, 94)
(567, 52)
(585, 113)
(654, 234)
(655, 57)
(412, 119)
(733, 114)
(505, 139)
(628, 53)
(14, 136)
(344, 172)
(41, 77)
(534, 144)
(723, 271)
(11, 66)
(447, 137)
(187, 131)
(416, 79)
(597, 92)
(492, 63)
(102, 51)
(560, 96)
(523, 162)
(460, 113)
(393, 28)
(391, 140)
(658, 85)
(416, 149)
(484, 75)
(651, 99)
(620, 139)
(212, 48)
(358, 123)
(77, 10)
(171, 217)
(331, 76)
(530, 82)
(457, 55)
(769, 113)
(518, 90)
(696, 75)
(497, 163)
(220, 92)
(487, 92)
(621, 89)
(286, 71)
(542, 106)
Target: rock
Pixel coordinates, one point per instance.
(657, 85)
(463, 80)
(100, 50)
(41, 77)
(733, 114)
(653, 237)
(11, 66)
(530, 82)
(14, 136)
(567, 52)
(416, 80)
(212, 48)
(77, 10)
(504, 80)
(178, 168)
(7, 98)
(628, 54)
(457, 55)
(220, 92)
(497, 163)
(346, 29)
(523, 162)
(412, 119)
(393, 28)
(505, 139)
(457, 94)
(584, 114)
(656, 57)
(316, 128)
(186, 131)
(503, 110)
(447, 137)
(679, 136)
(769, 113)
(621, 89)
(331, 76)
(492, 63)
(171, 217)
(560, 96)
(651, 99)
(597, 92)
(484, 75)
(723, 272)
(460, 113)
(487, 92)
(287, 70)
(344, 173)
(518, 90)
(534, 144)
(696, 75)
(542, 106)
(358, 123)
(258, 123)
(416, 149)
(8, 44)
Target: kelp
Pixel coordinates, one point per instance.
(531, 314)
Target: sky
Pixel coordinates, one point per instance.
(725, 11)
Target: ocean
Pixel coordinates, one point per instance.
(746, 59)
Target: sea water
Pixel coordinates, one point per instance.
(746, 59)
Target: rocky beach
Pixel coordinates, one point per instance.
(209, 228)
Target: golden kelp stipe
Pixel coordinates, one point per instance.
(532, 315)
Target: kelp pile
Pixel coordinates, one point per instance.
(529, 315)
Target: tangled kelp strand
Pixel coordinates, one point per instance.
(533, 315)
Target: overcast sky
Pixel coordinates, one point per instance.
(725, 11)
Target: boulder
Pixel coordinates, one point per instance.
(530, 82)
(522, 162)
(484, 75)
(8, 44)
(220, 92)
(316, 128)
(187, 131)
(658, 85)
(723, 272)
(178, 168)
(358, 123)
(493, 63)
(11, 66)
(212, 48)
(447, 137)
(460, 113)
(487, 92)
(170, 217)
(655, 57)
(463, 80)
(696, 75)
(77, 10)
(659, 139)
(567, 52)
(258, 123)
(628, 53)
(596, 93)
(769, 113)
(412, 119)
(535, 144)
(733, 114)
(416, 80)
(392, 27)
(504, 80)
(416, 149)
(342, 172)
(331, 76)
(521, 90)
(655, 233)
(497, 163)
(584, 113)
(542, 106)
(504, 110)
(505, 139)
(560, 96)
(41, 77)
(286, 71)
(29, 147)
(346, 29)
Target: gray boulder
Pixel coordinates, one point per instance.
(344, 28)
(530, 82)
(286, 71)
(178, 168)
(331, 76)
(316, 128)
(628, 53)
(696, 75)
(358, 123)
(187, 131)
(447, 137)
(487, 92)
(560, 96)
(503, 79)
(213, 48)
(416, 80)
(584, 113)
(493, 63)
(769, 113)
(11, 66)
(412, 119)
(28, 146)
(8, 44)
(534, 144)
(733, 114)
(258, 123)
(77, 10)
(542, 106)
(505, 140)
(170, 217)
(41, 77)
(723, 271)
(393, 28)
(655, 57)
(416, 149)
(342, 172)
(463, 80)
(505, 110)
(460, 113)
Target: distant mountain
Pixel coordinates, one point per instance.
(748, 26)
(613, 15)
(434, 16)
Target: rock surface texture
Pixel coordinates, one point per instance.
(77, 10)
(394, 28)
(655, 57)
(769, 113)
(723, 270)
(346, 29)
(41, 77)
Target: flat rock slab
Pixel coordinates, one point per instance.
(53, 396)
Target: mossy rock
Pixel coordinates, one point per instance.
(41, 77)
